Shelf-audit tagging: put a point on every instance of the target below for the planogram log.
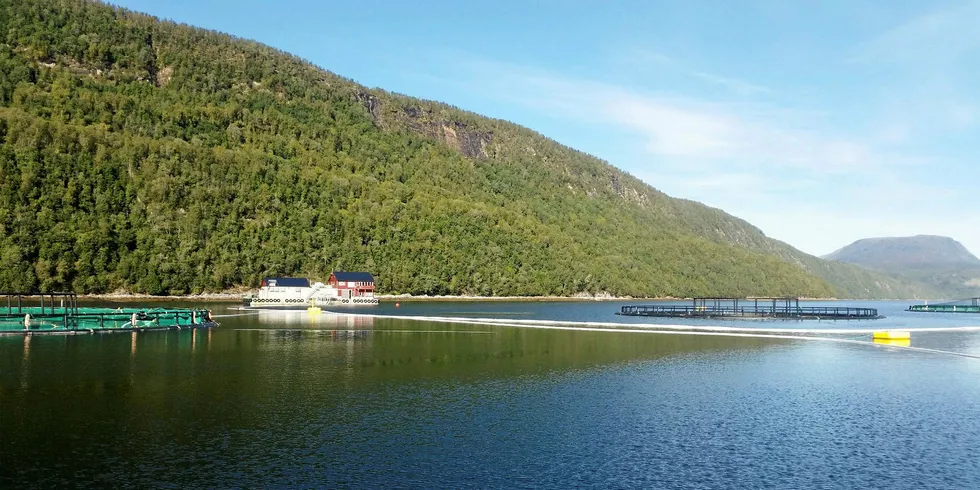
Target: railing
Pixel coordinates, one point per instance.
(839, 312)
(946, 308)
(67, 301)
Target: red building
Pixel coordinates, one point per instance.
(352, 284)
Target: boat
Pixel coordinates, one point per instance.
(342, 288)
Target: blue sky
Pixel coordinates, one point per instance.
(819, 122)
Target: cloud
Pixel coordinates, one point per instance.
(938, 37)
(640, 58)
(746, 136)
(692, 131)
(927, 65)
(647, 56)
(740, 87)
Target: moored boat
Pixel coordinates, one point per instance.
(342, 288)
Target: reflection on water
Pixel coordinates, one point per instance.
(25, 362)
(894, 342)
(289, 399)
(294, 318)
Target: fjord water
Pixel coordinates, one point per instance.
(286, 399)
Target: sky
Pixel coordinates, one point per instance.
(819, 122)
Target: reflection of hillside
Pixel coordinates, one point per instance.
(507, 352)
(312, 359)
(356, 353)
(379, 350)
(260, 377)
(248, 355)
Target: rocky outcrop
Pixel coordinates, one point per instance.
(468, 141)
(372, 104)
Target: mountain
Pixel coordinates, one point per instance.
(938, 264)
(915, 251)
(154, 157)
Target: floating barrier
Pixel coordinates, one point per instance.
(892, 335)
(59, 313)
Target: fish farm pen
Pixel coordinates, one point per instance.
(59, 313)
(971, 305)
(778, 308)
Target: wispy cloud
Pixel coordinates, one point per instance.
(662, 61)
(739, 135)
(938, 37)
(733, 84)
(929, 64)
(688, 130)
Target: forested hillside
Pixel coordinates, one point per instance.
(154, 157)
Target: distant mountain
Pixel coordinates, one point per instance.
(940, 265)
(914, 251)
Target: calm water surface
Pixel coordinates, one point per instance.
(289, 400)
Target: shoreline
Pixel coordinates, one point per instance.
(234, 297)
(237, 296)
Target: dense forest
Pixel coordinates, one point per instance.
(161, 158)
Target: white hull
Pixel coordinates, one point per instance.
(300, 303)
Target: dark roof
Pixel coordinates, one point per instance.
(286, 282)
(354, 276)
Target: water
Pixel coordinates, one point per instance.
(283, 399)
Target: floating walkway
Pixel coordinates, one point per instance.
(59, 314)
(777, 308)
(971, 305)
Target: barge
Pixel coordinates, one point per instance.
(342, 288)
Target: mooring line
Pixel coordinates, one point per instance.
(236, 314)
(321, 330)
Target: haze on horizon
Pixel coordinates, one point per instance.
(821, 124)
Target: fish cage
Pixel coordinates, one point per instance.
(971, 305)
(734, 308)
(59, 313)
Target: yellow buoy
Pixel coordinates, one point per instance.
(892, 335)
(894, 342)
